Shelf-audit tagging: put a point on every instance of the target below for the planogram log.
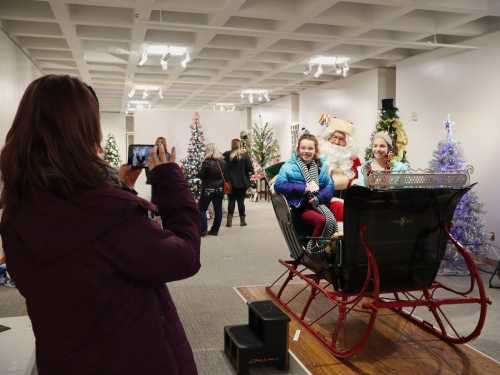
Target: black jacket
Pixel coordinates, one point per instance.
(239, 170)
(210, 173)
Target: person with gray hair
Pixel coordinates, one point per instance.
(212, 176)
(382, 151)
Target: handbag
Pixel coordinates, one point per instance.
(227, 184)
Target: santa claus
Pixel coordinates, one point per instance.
(336, 146)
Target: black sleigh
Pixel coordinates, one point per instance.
(395, 235)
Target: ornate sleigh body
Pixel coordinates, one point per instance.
(395, 236)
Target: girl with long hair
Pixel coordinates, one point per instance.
(239, 170)
(212, 178)
(308, 188)
(381, 159)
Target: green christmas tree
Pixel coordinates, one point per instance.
(264, 147)
(390, 123)
(111, 154)
(195, 155)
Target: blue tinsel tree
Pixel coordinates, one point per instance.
(468, 223)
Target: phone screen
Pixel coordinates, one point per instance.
(138, 155)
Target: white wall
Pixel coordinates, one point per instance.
(355, 99)
(218, 128)
(278, 114)
(114, 123)
(465, 84)
(16, 72)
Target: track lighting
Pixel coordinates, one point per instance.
(319, 71)
(187, 59)
(146, 90)
(339, 64)
(253, 94)
(225, 107)
(165, 51)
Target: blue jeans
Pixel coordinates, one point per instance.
(215, 196)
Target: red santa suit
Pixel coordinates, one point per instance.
(343, 161)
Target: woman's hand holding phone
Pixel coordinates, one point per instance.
(159, 155)
(128, 175)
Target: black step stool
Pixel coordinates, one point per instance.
(263, 341)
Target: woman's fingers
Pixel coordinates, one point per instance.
(162, 154)
(153, 158)
(173, 154)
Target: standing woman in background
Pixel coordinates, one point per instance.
(212, 178)
(68, 221)
(239, 169)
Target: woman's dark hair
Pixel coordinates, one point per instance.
(53, 142)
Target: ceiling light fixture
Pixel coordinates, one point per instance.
(146, 90)
(252, 93)
(165, 51)
(138, 105)
(225, 107)
(186, 60)
(339, 63)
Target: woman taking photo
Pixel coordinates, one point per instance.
(239, 170)
(381, 159)
(67, 222)
(212, 178)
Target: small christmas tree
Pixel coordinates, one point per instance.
(195, 155)
(390, 123)
(468, 223)
(111, 154)
(264, 147)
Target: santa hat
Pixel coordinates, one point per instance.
(337, 124)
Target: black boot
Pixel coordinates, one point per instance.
(243, 223)
(229, 220)
(212, 232)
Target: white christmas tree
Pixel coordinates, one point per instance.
(468, 220)
(195, 155)
(111, 154)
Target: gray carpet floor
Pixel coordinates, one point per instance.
(242, 256)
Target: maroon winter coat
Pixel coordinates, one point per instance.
(93, 271)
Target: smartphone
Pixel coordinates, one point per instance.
(138, 155)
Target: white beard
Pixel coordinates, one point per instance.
(339, 158)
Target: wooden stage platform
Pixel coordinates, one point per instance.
(395, 346)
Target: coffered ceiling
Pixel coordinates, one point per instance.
(233, 44)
